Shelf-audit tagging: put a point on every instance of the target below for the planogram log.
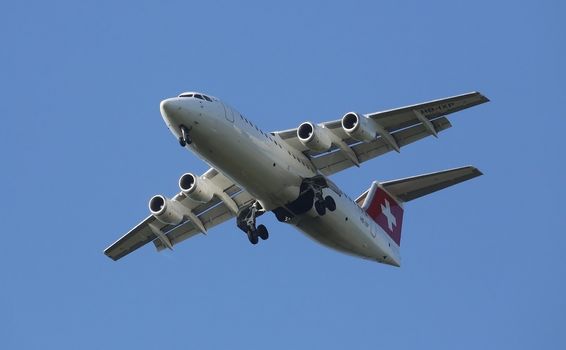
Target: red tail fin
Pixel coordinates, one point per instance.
(385, 210)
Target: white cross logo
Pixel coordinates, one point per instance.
(386, 210)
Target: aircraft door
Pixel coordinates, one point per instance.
(229, 113)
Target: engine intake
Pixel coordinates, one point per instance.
(165, 210)
(359, 127)
(196, 188)
(314, 137)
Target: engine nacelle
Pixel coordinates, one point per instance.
(359, 127)
(314, 137)
(196, 188)
(166, 210)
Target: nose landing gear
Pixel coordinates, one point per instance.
(246, 221)
(184, 139)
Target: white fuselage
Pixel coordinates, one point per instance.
(272, 172)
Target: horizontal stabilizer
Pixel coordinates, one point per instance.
(415, 187)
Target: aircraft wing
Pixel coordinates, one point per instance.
(166, 236)
(400, 127)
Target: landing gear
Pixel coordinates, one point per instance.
(184, 139)
(321, 203)
(246, 221)
(329, 203)
(320, 207)
(252, 236)
(310, 196)
(262, 232)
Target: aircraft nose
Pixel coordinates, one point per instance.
(170, 109)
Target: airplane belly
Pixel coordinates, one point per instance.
(250, 162)
(347, 230)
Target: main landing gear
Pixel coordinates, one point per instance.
(321, 203)
(184, 139)
(324, 203)
(246, 221)
(310, 195)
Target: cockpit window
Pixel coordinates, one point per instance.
(199, 96)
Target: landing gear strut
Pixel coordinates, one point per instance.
(184, 139)
(246, 221)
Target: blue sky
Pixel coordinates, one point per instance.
(84, 147)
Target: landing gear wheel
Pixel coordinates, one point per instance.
(262, 232)
(329, 203)
(320, 208)
(185, 139)
(252, 236)
(246, 221)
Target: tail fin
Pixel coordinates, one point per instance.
(384, 201)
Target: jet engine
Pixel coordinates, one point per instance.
(166, 210)
(195, 188)
(314, 137)
(359, 127)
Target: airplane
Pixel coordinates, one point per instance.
(287, 172)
